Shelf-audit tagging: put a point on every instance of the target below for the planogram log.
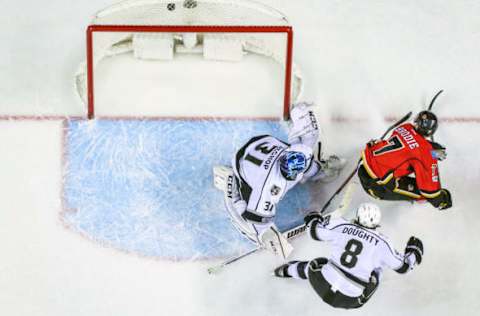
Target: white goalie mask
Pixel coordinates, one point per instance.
(368, 215)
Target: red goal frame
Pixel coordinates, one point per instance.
(194, 29)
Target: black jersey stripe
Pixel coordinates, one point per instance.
(268, 174)
(245, 188)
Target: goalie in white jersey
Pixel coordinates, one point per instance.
(359, 254)
(264, 169)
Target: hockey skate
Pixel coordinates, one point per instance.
(282, 271)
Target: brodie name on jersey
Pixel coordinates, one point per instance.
(407, 137)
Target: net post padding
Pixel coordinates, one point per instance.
(255, 25)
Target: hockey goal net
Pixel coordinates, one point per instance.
(219, 30)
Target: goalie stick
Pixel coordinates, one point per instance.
(289, 233)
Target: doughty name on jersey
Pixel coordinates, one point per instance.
(360, 233)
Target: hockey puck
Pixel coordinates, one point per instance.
(190, 4)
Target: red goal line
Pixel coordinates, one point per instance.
(389, 118)
(336, 118)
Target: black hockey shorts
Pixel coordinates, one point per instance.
(394, 190)
(370, 185)
(324, 289)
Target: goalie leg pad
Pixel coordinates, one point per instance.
(265, 235)
(224, 180)
(221, 176)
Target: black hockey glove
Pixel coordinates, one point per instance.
(443, 201)
(313, 216)
(439, 152)
(415, 246)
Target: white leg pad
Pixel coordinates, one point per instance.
(220, 177)
(224, 180)
(267, 235)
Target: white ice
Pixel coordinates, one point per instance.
(362, 60)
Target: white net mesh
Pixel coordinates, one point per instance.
(218, 46)
(176, 12)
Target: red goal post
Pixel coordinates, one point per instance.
(148, 20)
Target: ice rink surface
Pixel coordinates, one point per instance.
(362, 62)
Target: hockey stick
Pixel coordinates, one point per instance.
(431, 104)
(429, 109)
(289, 234)
(352, 174)
(433, 100)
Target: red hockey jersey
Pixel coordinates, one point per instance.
(405, 152)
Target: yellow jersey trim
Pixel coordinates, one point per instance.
(407, 193)
(367, 167)
(431, 195)
(386, 180)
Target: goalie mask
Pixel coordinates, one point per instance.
(292, 163)
(426, 123)
(368, 215)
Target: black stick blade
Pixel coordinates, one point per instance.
(433, 100)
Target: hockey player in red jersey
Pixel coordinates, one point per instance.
(405, 167)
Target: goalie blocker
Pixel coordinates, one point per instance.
(264, 170)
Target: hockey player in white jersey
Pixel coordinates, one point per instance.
(359, 254)
(265, 169)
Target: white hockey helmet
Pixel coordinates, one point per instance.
(369, 215)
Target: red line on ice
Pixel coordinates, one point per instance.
(338, 119)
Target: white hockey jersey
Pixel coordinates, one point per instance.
(356, 253)
(262, 185)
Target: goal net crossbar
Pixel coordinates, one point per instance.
(110, 35)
